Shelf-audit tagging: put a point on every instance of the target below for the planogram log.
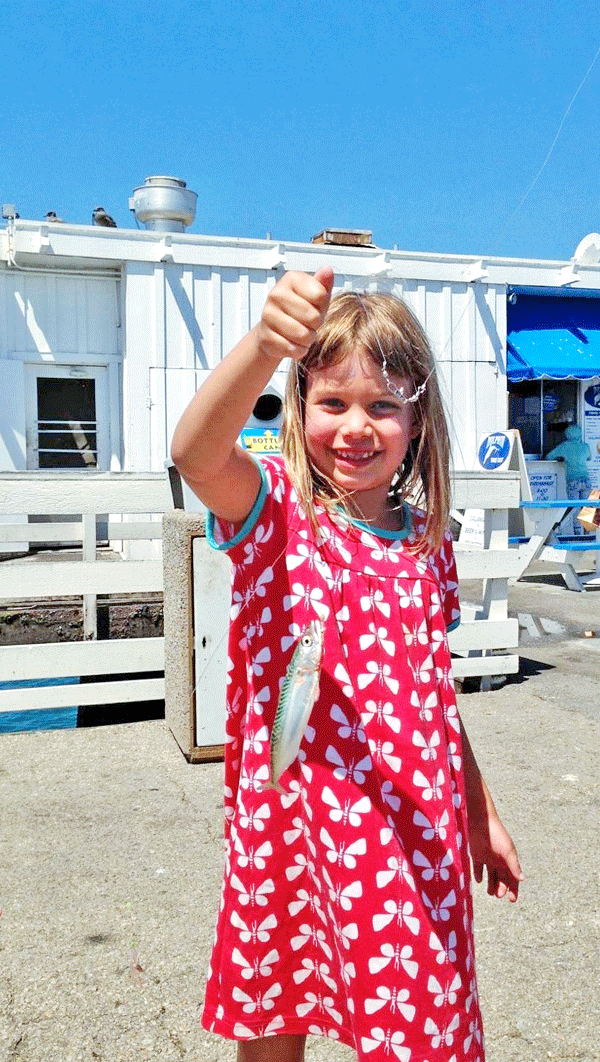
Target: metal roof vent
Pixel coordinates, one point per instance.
(164, 204)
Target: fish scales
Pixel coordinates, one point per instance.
(299, 692)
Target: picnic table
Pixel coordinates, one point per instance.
(544, 541)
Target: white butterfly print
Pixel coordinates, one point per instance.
(350, 728)
(349, 974)
(384, 750)
(439, 909)
(254, 777)
(375, 600)
(253, 857)
(253, 548)
(445, 677)
(301, 864)
(380, 671)
(443, 1035)
(431, 788)
(452, 716)
(253, 895)
(442, 996)
(346, 934)
(320, 970)
(342, 617)
(251, 590)
(242, 1033)
(254, 932)
(398, 912)
(393, 998)
(261, 1001)
(352, 770)
(344, 679)
(302, 899)
(259, 658)
(398, 868)
(389, 795)
(258, 740)
(427, 707)
(349, 813)
(384, 552)
(257, 628)
(254, 819)
(388, 1040)
(417, 634)
(436, 871)
(317, 936)
(304, 555)
(384, 711)
(295, 630)
(377, 635)
(310, 597)
(453, 755)
(411, 595)
(434, 828)
(344, 854)
(421, 672)
(343, 895)
(400, 956)
(289, 836)
(474, 1032)
(428, 747)
(323, 1003)
(446, 952)
(337, 578)
(262, 966)
(260, 698)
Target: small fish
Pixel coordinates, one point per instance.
(298, 694)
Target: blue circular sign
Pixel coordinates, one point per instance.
(494, 450)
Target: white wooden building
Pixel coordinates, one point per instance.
(105, 333)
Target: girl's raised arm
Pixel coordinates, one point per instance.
(204, 446)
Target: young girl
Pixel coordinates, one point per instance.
(346, 908)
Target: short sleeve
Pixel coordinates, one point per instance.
(264, 527)
(449, 583)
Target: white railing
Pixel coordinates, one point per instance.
(131, 499)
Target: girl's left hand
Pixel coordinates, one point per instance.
(492, 847)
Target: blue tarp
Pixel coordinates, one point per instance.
(556, 338)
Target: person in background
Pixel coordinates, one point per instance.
(576, 455)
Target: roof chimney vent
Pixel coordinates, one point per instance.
(345, 237)
(164, 204)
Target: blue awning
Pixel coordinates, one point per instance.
(553, 338)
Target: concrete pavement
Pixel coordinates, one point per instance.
(110, 864)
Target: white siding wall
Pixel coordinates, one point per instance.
(193, 315)
(180, 319)
(54, 319)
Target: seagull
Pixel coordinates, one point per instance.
(100, 217)
(53, 216)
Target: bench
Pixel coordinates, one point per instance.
(545, 542)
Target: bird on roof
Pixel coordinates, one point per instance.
(53, 216)
(100, 217)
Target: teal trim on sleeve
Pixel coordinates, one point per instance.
(249, 522)
(454, 625)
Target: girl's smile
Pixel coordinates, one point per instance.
(358, 432)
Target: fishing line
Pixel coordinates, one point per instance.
(552, 146)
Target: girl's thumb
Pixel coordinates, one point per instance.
(325, 276)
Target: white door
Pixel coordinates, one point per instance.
(67, 417)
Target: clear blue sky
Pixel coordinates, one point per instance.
(422, 120)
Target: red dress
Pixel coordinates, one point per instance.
(346, 907)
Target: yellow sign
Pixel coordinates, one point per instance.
(260, 442)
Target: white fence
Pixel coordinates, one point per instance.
(484, 644)
(131, 499)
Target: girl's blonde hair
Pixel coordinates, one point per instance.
(382, 326)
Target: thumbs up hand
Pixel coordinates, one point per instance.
(293, 312)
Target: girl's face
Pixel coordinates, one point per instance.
(358, 431)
